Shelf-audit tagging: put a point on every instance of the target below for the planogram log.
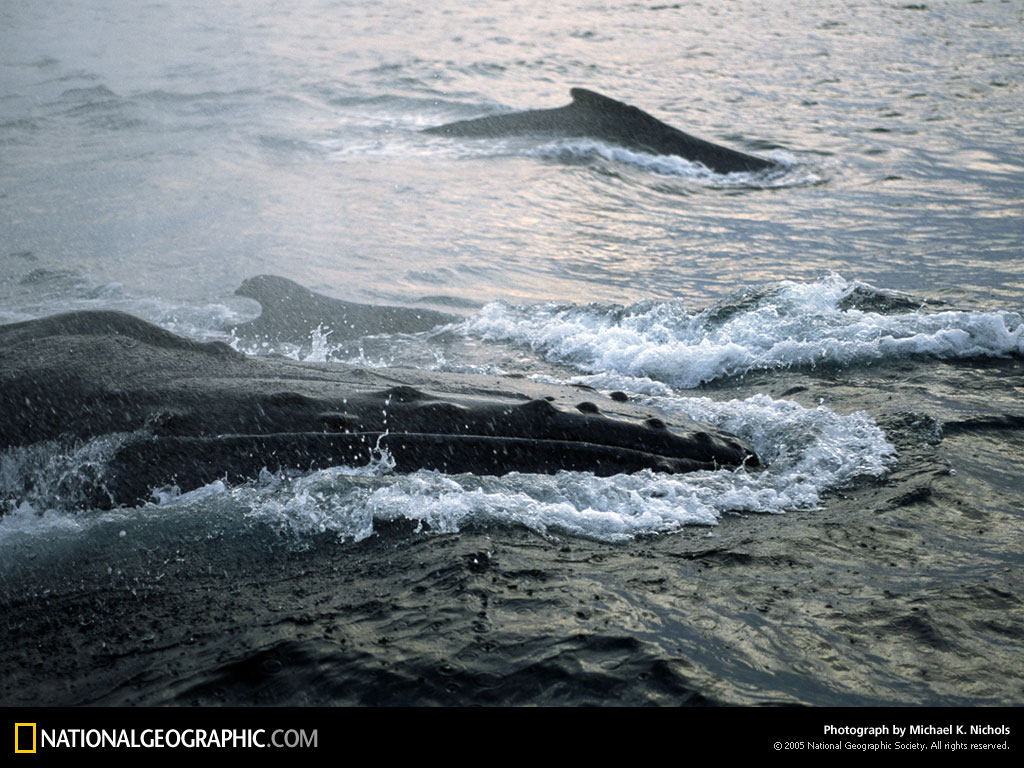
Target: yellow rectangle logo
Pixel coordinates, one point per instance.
(21, 736)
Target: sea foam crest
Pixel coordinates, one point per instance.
(781, 325)
(49, 476)
(580, 150)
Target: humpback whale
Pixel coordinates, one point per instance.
(188, 413)
(592, 115)
(292, 312)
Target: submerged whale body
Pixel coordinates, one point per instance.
(188, 413)
(593, 115)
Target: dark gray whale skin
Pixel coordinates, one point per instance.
(291, 312)
(593, 115)
(189, 413)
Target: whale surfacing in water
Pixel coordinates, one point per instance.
(595, 116)
(290, 312)
(189, 413)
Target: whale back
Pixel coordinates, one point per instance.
(291, 312)
(593, 115)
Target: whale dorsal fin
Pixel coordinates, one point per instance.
(591, 100)
(291, 312)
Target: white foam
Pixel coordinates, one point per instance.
(47, 476)
(807, 452)
(646, 349)
(788, 173)
(799, 324)
(26, 520)
(197, 321)
(318, 350)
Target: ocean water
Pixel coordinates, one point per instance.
(153, 156)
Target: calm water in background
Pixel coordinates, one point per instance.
(177, 148)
